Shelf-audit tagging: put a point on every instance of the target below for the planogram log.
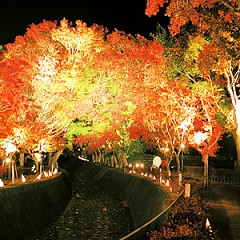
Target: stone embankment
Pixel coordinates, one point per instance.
(26, 208)
(106, 204)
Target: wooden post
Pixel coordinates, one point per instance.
(187, 190)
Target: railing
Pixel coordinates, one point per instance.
(153, 219)
(215, 178)
(224, 180)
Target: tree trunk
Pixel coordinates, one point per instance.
(123, 160)
(21, 159)
(115, 161)
(97, 158)
(178, 163)
(50, 159)
(93, 157)
(231, 87)
(56, 156)
(205, 170)
(237, 140)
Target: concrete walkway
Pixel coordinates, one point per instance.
(224, 210)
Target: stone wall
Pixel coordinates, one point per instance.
(26, 209)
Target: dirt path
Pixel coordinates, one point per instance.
(224, 209)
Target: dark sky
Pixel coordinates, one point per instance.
(125, 15)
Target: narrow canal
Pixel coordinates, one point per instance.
(91, 213)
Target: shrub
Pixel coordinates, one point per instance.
(186, 220)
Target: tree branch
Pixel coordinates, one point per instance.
(234, 10)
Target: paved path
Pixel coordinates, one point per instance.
(224, 210)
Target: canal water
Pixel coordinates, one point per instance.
(90, 214)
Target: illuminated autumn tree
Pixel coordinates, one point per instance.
(211, 30)
(144, 64)
(15, 107)
(87, 81)
(206, 130)
(168, 111)
(130, 61)
(176, 115)
(64, 83)
(183, 12)
(30, 48)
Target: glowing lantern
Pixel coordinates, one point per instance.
(39, 177)
(157, 161)
(23, 178)
(1, 183)
(167, 183)
(130, 166)
(207, 223)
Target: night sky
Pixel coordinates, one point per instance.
(124, 15)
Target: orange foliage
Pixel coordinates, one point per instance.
(36, 42)
(153, 6)
(14, 105)
(181, 12)
(208, 60)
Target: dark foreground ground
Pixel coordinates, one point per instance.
(224, 209)
(91, 214)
